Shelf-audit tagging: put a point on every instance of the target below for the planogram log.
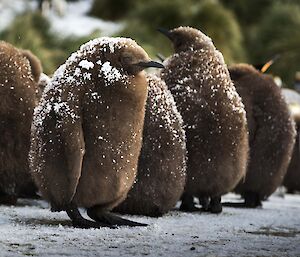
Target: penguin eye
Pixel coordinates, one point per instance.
(179, 43)
(126, 59)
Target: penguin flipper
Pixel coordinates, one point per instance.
(63, 151)
(74, 148)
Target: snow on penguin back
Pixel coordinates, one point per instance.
(162, 161)
(213, 114)
(161, 105)
(197, 71)
(95, 104)
(100, 63)
(96, 56)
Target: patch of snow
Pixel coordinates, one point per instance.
(162, 106)
(86, 64)
(44, 79)
(110, 73)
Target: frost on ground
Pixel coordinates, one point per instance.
(30, 229)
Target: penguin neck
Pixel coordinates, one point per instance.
(196, 46)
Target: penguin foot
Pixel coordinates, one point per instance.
(86, 224)
(290, 191)
(252, 201)
(204, 202)
(8, 199)
(79, 222)
(215, 205)
(189, 208)
(240, 205)
(187, 204)
(111, 219)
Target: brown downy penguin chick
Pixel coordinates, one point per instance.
(271, 133)
(213, 115)
(19, 74)
(87, 130)
(162, 163)
(292, 178)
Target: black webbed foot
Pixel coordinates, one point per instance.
(79, 222)
(204, 202)
(251, 200)
(8, 199)
(111, 219)
(187, 204)
(215, 205)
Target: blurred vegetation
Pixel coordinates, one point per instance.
(210, 16)
(244, 31)
(32, 31)
(111, 10)
(144, 19)
(221, 25)
(279, 33)
(271, 28)
(248, 13)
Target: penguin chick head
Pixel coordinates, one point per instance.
(187, 38)
(128, 56)
(242, 69)
(35, 64)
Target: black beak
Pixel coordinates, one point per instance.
(150, 64)
(165, 32)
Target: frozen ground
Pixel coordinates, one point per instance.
(30, 229)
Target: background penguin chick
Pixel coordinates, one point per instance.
(35, 64)
(17, 94)
(87, 130)
(292, 178)
(213, 115)
(162, 163)
(271, 133)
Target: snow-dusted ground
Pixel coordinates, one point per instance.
(30, 229)
(74, 22)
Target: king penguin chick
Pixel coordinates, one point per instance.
(87, 130)
(292, 178)
(271, 133)
(162, 163)
(19, 73)
(213, 115)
